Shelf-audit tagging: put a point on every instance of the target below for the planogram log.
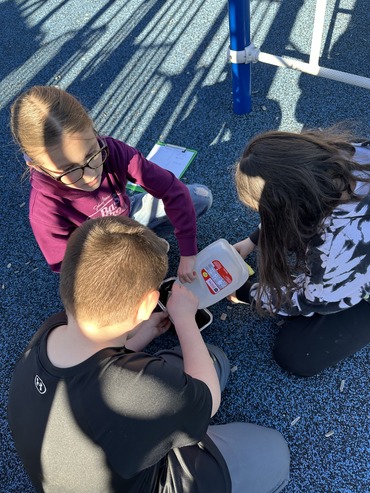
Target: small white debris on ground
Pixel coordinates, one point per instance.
(233, 369)
(342, 383)
(329, 433)
(223, 316)
(295, 421)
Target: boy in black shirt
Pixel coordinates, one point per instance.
(90, 411)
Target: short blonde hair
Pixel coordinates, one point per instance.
(42, 114)
(110, 264)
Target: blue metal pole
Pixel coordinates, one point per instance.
(239, 22)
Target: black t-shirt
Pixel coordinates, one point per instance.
(118, 422)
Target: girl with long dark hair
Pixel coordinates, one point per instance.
(312, 191)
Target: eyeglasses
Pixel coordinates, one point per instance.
(75, 174)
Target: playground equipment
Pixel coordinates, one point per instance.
(242, 53)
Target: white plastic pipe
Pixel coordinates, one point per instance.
(318, 29)
(355, 80)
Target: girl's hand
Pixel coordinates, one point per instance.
(235, 300)
(182, 304)
(186, 272)
(245, 247)
(243, 293)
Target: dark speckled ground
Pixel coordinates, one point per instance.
(153, 69)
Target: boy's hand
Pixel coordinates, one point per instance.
(182, 307)
(146, 331)
(157, 324)
(185, 272)
(182, 304)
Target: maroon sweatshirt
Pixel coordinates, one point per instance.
(57, 210)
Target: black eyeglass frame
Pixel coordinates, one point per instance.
(81, 168)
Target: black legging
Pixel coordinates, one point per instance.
(307, 345)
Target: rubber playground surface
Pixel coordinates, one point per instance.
(150, 70)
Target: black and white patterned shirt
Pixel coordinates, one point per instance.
(337, 259)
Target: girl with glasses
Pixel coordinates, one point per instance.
(312, 192)
(76, 175)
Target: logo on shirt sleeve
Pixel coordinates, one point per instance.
(39, 384)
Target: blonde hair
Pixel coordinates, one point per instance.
(250, 190)
(41, 115)
(110, 264)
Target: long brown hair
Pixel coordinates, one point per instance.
(294, 181)
(41, 115)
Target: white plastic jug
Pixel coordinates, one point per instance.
(220, 271)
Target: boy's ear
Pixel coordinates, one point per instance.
(147, 305)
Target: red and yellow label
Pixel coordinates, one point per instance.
(216, 276)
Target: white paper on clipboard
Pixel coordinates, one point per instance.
(168, 156)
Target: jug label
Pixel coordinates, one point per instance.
(216, 276)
